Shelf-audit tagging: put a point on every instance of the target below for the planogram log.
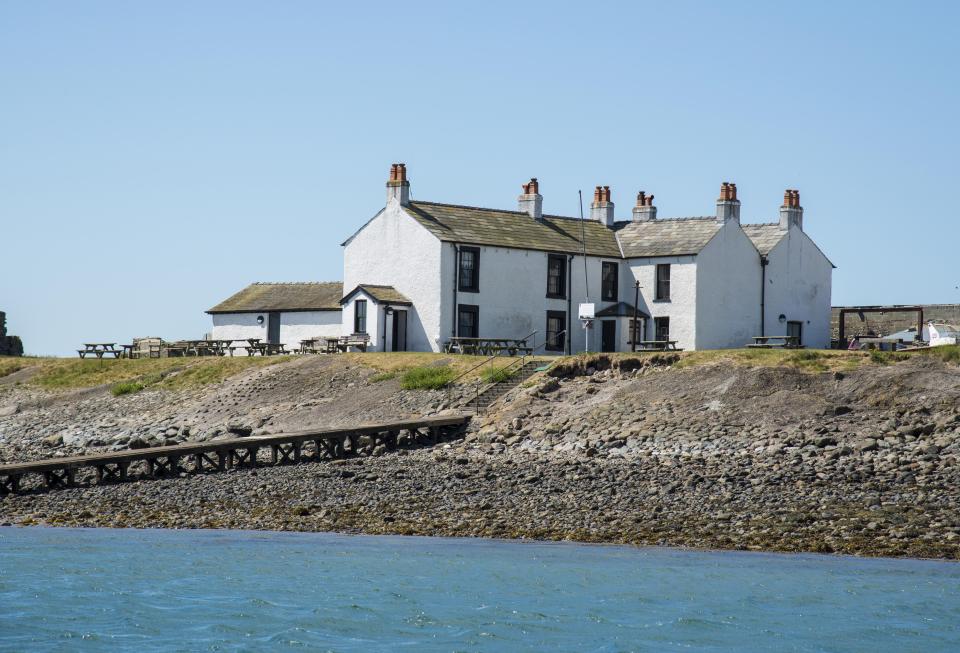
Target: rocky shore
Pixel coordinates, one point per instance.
(639, 450)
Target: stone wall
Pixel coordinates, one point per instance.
(9, 345)
(884, 323)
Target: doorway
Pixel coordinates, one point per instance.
(273, 328)
(399, 330)
(795, 329)
(608, 335)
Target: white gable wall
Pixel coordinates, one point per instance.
(728, 290)
(375, 319)
(394, 250)
(799, 279)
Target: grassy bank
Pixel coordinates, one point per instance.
(130, 375)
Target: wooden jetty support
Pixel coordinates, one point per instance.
(220, 455)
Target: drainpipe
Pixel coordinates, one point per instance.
(763, 294)
(568, 340)
(456, 283)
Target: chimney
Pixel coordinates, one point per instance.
(531, 201)
(791, 213)
(601, 209)
(644, 210)
(398, 188)
(728, 206)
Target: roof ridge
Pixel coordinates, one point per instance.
(760, 224)
(491, 210)
(294, 283)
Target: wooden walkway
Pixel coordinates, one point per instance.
(220, 455)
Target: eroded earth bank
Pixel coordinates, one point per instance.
(860, 458)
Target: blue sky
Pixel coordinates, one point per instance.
(157, 157)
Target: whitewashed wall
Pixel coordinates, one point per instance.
(393, 249)
(799, 280)
(374, 320)
(682, 306)
(513, 294)
(728, 290)
(294, 326)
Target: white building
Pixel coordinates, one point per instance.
(422, 272)
(280, 313)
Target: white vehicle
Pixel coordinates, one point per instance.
(943, 334)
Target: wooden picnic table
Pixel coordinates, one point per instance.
(488, 346)
(266, 348)
(657, 345)
(779, 342)
(100, 349)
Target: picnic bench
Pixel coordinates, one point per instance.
(775, 342)
(657, 345)
(100, 349)
(359, 340)
(265, 348)
(488, 346)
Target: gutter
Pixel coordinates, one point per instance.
(456, 283)
(568, 341)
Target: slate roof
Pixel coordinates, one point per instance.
(666, 237)
(380, 294)
(764, 236)
(263, 297)
(478, 226)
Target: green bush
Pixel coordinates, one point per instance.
(427, 378)
(496, 375)
(126, 388)
(382, 376)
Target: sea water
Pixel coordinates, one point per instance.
(159, 590)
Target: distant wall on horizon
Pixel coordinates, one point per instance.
(884, 323)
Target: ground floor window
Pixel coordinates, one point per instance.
(661, 328)
(468, 321)
(795, 329)
(635, 327)
(556, 331)
(360, 316)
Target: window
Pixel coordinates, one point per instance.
(795, 330)
(661, 328)
(360, 316)
(468, 320)
(608, 289)
(663, 282)
(557, 276)
(469, 278)
(556, 331)
(639, 326)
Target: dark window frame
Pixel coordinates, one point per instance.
(662, 285)
(358, 319)
(560, 292)
(559, 340)
(473, 310)
(605, 288)
(462, 286)
(658, 324)
(799, 325)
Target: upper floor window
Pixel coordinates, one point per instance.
(608, 284)
(557, 276)
(360, 316)
(469, 269)
(663, 281)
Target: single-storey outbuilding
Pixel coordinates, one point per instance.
(280, 313)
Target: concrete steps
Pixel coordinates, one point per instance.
(497, 390)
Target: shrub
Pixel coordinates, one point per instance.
(126, 388)
(496, 375)
(427, 378)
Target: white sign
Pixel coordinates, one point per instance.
(587, 312)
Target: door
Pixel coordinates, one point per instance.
(795, 329)
(608, 335)
(273, 328)
(399, 330)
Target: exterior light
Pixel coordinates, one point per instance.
(259, 319)
(782, 318)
